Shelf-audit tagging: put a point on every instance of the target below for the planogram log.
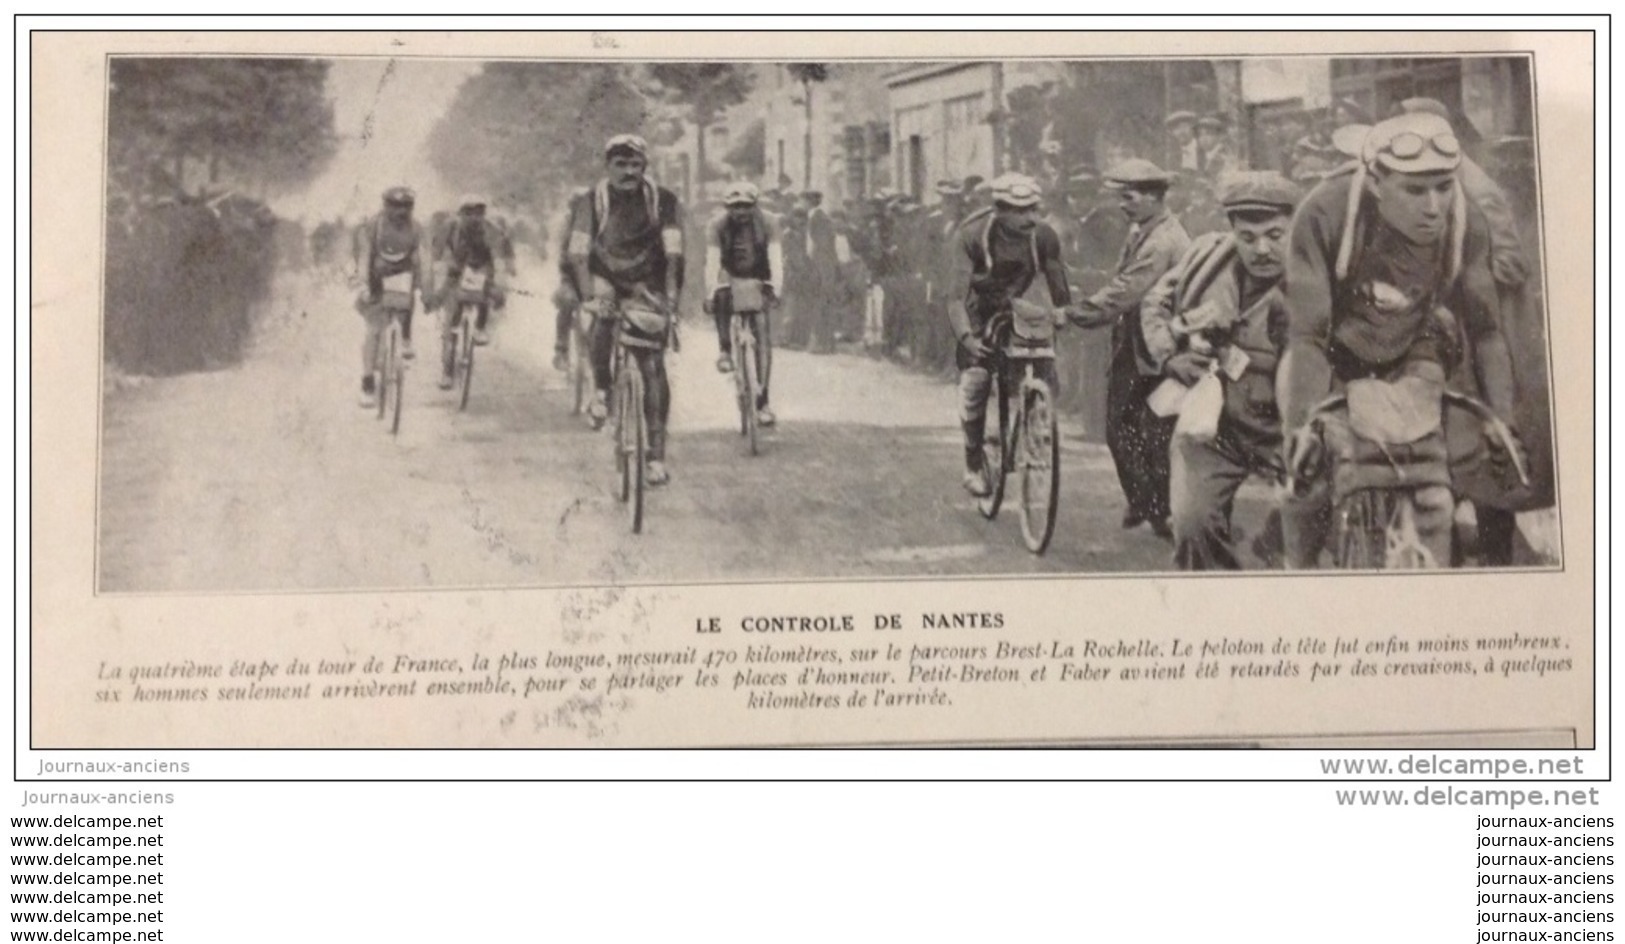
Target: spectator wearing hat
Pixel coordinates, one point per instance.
(1000, 253)
(937, 230)
(1218, 319)
(1138, 440)
(1389, 268)
(1182, 150)
(1101, 231)
(1213, 144)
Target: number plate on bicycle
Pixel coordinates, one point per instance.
(746, 295)
(397, 292)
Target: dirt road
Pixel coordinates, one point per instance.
(269, 476)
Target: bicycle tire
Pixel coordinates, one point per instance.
(995, 455)
(1040, 460)
(1359, 530)
(465, 357)
(747, 395)
(735, 351)
(578, 370)
(640, 445)
(380, 369)
(397, 383)
(623, 465)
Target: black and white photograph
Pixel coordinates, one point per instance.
(376, 322)
(515, 390)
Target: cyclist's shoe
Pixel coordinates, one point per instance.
(368, 400)
(1132, 519)
(765, 417)
(481, 337)
(1160, 527)
(725, 364)
(975, 482)
(656, 473)
(598, 409)
(445, 382)
(406, 349)
(561, 361)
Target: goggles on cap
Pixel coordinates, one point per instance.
(626, 142)
(740, 195)
(1408, 144)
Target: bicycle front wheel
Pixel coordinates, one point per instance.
(1039, 466)
(465, 357)
(380, 370)
(578, 370)
(747, 394)
(995, 459)
(637, 446)
(397, 382)
(1359, 529)
(623, 436)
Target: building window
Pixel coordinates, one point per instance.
(966, 137)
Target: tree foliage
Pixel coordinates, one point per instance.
(524, 131)
(265, 124)
(748, 156)
(701, 91)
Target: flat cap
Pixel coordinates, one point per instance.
(1215, 121)
(1134, 172)
(1179, 118)
(947, 187)
(1413, 143)
(1264, 190)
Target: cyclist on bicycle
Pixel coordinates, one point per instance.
(1389, 266)
(626, 240)
(1218, 317)
(471, 242)
(742, 242)
(386, 244)
(1001, 251)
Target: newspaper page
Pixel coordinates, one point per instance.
(389, 390)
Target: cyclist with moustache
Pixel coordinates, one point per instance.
(626, 241)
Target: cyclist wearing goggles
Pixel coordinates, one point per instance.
(626, 238)
(1388, 271)
(742, 242)
(389, 243)
(1001, 252)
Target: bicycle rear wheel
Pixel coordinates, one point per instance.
(1039, 464)
(465, 356)
(747, 393)
(995, 461)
